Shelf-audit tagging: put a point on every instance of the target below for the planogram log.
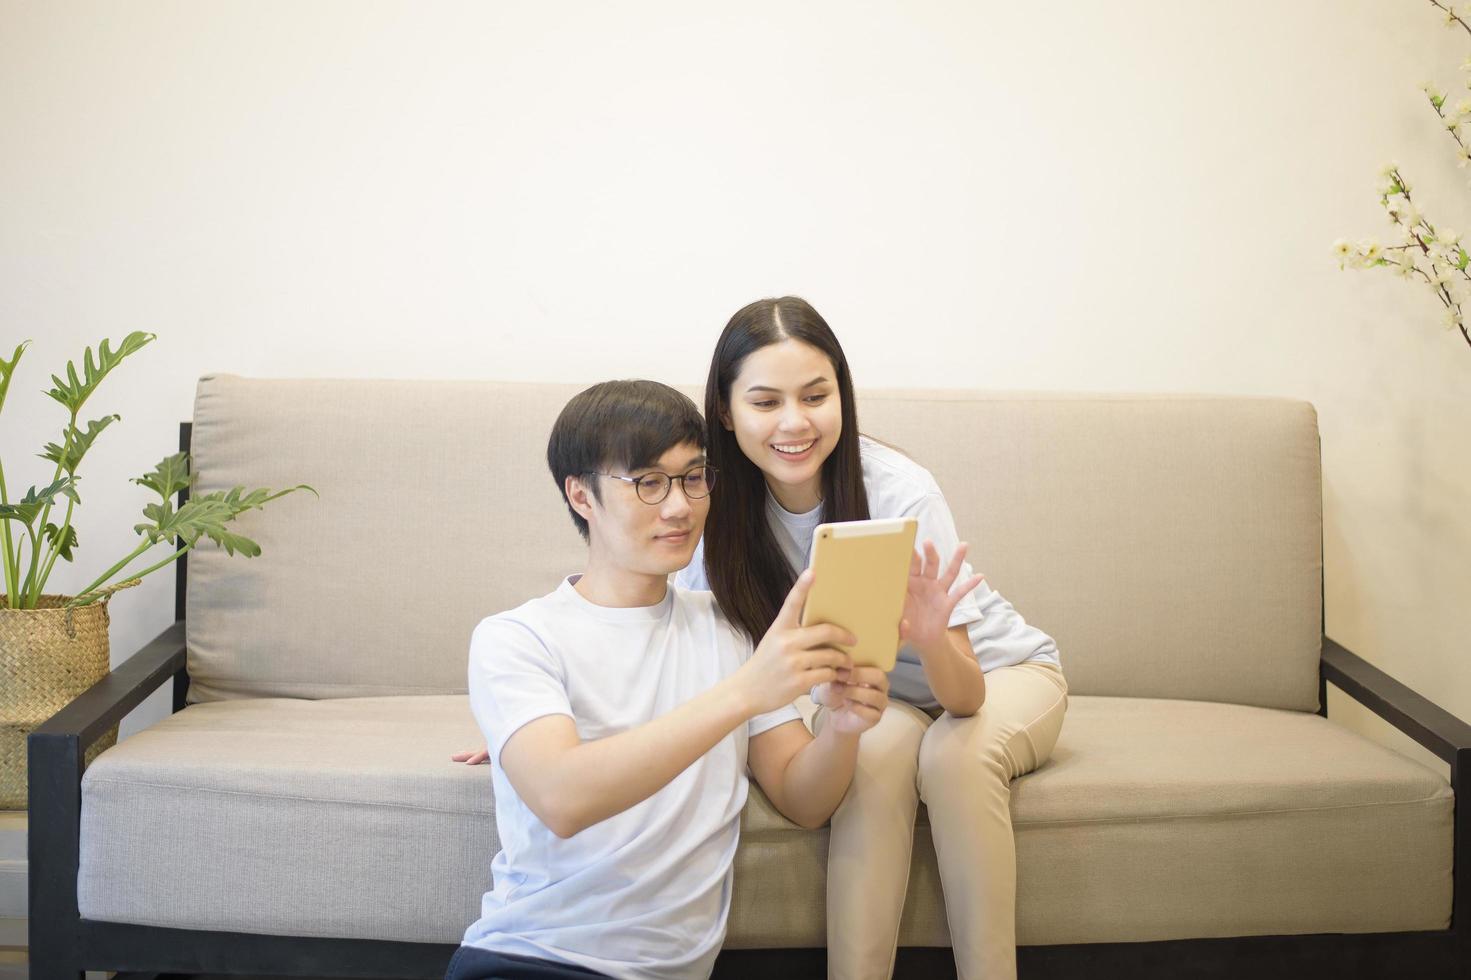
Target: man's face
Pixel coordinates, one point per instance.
(648, 539)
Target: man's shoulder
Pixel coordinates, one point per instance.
(533, 620)
(696, 604)
(699, 607)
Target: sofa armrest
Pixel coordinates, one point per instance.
(105, 703)
(55, 751)
(1437, 730)
(1418, 717)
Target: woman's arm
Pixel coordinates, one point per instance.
(950, 665)
(954, 674)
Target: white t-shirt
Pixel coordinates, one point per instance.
(644, 893)
(897, 486)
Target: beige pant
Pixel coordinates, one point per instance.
(962, 768)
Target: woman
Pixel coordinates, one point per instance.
(974, 701)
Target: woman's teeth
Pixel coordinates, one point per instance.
(794, 449)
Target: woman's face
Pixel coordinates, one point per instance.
(785, 412)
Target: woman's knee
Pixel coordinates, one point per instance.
(961, 749)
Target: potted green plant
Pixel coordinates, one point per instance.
(53, 647)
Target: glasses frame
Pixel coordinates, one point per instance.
(669, 478)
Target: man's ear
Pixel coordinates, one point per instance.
(580, 496)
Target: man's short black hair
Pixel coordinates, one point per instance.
(624, 425)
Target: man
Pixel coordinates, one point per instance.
(622, 715)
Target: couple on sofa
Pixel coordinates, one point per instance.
(622, 715)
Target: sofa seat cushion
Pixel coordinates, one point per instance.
(1153, 820)
(1164, 819)
(291, 817)
(1160, 819)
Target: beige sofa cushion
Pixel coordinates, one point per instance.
(1154, 820)
(436, 510)
(339, 817)
(1170, 544)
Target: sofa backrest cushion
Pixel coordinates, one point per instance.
(1170, 544)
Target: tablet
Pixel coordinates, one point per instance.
(860, 574)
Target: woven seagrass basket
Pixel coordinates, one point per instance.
(48, 656)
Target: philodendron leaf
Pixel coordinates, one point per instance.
(7, 370)
(207, 515)
(25, 513)
(66, 544)
(31, 505)
(188, 522)
(169, 477)
(75, 443)
(74, 391)
(240, 501)
(233, 542)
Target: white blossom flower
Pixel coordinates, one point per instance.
(1466, 65)
(1463, 156)
(1451, 121)
(1387, 171)
(1343, 251)
(1405, 267)
(1430, 90)
(1451, 318)
(1370, 251)
(1447, 236)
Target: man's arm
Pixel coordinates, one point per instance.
(806, 778)
(571, 785)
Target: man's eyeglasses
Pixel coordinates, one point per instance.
(652, 488)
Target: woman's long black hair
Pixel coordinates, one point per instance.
(745, 566)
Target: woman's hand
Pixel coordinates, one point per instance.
(930, 599)
(857, 699)
(471, 757)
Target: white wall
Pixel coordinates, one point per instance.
(1131, 196)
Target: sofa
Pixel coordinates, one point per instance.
(297, 813)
